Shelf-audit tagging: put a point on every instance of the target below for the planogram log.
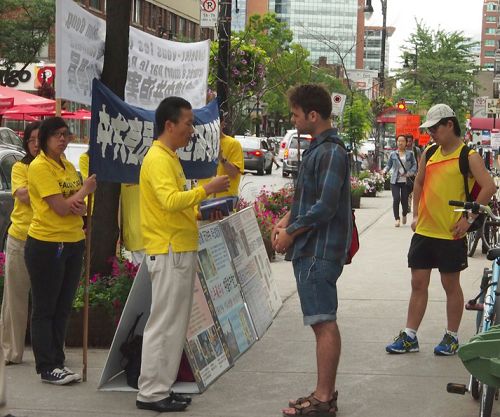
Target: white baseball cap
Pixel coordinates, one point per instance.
(436, 113)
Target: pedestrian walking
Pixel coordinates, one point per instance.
(54, 248)
(15, 304)
(316, 235)
(170, 236)
(439, 239)
(403, 167)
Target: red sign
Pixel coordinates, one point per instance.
(46, 74)
(407, 124)
(209, 5)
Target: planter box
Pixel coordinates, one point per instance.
(355, 201)
(271, 254)
(101, 328)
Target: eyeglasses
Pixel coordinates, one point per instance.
(434, 128)
(65, 135)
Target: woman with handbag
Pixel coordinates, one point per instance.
(403, 167)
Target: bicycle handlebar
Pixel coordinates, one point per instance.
(474, 207)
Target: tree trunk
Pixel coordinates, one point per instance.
(105, 228)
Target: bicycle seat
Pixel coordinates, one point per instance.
(493, 254)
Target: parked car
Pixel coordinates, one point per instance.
(284, 142)
(8, 157)
(73, 152)
(256, 154)
(9, 139)
(290, 154)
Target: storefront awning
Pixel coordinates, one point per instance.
(483, 123)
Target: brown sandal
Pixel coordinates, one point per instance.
(300, 400)
(313, 407)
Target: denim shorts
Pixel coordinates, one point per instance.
(317, 288)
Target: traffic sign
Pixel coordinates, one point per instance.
(338, 103)
(209, 13)
(410, 101)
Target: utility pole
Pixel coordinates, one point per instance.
(382, 51)
(224, 35)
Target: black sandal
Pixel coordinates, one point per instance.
(300, 400)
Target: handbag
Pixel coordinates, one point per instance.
(409, 180)
(131, 350)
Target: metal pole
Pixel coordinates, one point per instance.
(382, 55)
(224, 35)
(416, 66)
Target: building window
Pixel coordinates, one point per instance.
(489, 53)
(490, 7)
(491, 31)
(182, 26)
(173, 24)
(137, 11)
(153, 15)
(491, 19)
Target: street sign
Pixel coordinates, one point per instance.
(338, 103)
(209, 13)
(493, 106)
(479, 109)
(410, 101)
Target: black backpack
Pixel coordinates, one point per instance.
(470, 195)
(131, 350)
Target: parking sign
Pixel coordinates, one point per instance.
(209, 13)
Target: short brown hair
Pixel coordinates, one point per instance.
(311, 97)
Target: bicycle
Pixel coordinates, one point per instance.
(489, 232)
(488, 314)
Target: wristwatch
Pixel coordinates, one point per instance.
(471, 220)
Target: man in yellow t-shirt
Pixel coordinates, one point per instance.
(170, 236)
(231, 162)
(439, 240)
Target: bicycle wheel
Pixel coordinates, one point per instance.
(487, 397)
(491, 233)
(472, 241)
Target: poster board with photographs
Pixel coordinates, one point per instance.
(222, 287)
(252, 267)
(205, 347)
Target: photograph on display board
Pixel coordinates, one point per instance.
(224, 290)
(204, 347)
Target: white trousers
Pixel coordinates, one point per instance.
(14, 316)
(172, 279)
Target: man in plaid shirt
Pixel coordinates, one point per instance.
(316, 235)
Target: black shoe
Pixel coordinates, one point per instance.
(180, 398)
(57, 376)
(163, 406)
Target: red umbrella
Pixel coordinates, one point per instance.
(25, 117)
(22, 109)
(81, 114)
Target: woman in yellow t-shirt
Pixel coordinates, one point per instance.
(54, 248)
(14, 316)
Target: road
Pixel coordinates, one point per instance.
(251, 183)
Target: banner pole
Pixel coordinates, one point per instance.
(58, 107)
(88, 236)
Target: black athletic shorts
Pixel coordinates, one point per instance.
(443, 254)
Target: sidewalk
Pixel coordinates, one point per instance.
(373, 294)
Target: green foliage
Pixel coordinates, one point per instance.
(441, 70)
(24, 30)
(357, 120)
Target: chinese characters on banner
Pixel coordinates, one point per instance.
(120, 136)
(158, 68)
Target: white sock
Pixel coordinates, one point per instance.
(410, 332)
(454, 334)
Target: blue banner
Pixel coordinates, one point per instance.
(121, 134)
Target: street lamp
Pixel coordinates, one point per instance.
(368, 13)
(381, 76)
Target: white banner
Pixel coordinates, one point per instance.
(158, 68)
(479, 109)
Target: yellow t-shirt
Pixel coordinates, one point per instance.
(45, 178)
(83, 164)
(443, 182)
(233, 152)
(130, 212)
(22, 213)
(166, 207)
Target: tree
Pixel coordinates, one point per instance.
(441, 69)
(25, 29)
(105, 230)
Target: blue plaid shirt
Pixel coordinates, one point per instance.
(322, 202)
